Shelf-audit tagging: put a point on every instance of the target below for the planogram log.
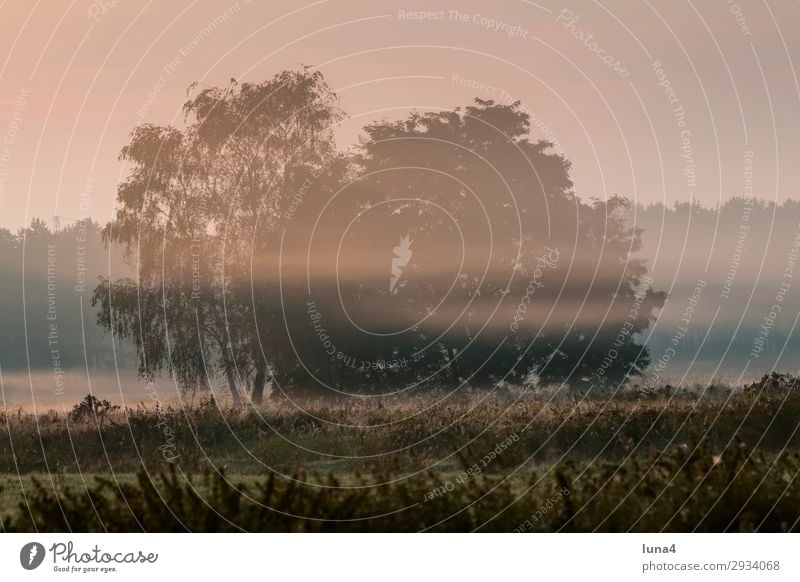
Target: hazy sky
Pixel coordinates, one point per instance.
(78, 76)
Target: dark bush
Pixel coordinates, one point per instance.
(92, 408)
(774, 382)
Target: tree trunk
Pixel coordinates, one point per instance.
(259, 381)
(237, 400)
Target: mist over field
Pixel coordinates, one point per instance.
(724, 269)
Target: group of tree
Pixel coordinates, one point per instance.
(263, 253)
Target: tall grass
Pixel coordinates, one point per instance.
(415, 434)
(673, 460)
(681, 489)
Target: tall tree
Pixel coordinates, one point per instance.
(199, 212)
(512, 275)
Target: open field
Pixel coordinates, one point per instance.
(675, 460)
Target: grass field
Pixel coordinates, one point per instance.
(713, 460)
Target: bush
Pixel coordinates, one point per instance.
(774, 382)
(92, 409)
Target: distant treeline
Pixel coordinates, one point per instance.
(47, 279)
(746, 251)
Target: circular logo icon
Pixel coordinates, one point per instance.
(31, 555)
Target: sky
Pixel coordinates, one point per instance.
(660, 101)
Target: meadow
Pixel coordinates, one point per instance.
(693, 459)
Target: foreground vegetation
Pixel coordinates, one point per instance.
(670, 460)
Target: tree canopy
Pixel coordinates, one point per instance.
(447, 249)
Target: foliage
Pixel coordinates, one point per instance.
(249, 219)
(92, 408)
(775, 382)
(189, 212)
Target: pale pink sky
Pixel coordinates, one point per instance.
(75, 78)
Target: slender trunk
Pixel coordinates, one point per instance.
(237, 400)
(259, 381)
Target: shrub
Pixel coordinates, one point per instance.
(774, 382)
(92, 409)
